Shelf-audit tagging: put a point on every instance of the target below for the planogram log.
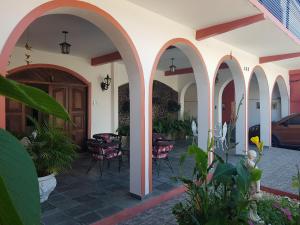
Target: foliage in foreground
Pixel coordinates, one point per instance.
(278, 211)
(222, 200)
(51, 150)
(19, 192)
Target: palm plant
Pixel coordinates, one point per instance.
(51, 149)
(19, 189)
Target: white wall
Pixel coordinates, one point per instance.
(101, 108)
(140, 24)
(190, 101)
(276, 100)
(224, 77)
(104, 103)
(253, 111)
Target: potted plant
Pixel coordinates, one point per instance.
(124, 132)
(52, 152)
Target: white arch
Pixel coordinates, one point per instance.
(265, 105)
(220, 95)
(202, 85)
(239, 85)
(284, 95)
(120, 38)
(181, 98)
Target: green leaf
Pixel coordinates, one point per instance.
(295, 182)
(223, 172)
(243, 178)
(255, 174)
(19, 191)
(32, 97)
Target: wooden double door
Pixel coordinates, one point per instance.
(74, 99)
(73, 96)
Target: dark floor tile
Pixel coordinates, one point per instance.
(108, 211)
(78, 210)
(164, 187)
(69, 222)
(74, 193)
(56, 198)
(89, 218)
(55, 218)
(95, 204)
(46, 206)
(67, 204)
(84, 198)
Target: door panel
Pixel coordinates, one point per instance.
(78, 113)
(60, 94)
(15, 117)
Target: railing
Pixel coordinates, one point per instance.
(287, 12)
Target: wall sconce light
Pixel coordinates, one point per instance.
(105, 83)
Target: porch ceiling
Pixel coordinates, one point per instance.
(261, 39)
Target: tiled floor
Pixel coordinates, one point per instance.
(81, 198)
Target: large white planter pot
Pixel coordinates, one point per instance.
(47, 185)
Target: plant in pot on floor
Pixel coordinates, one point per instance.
(52, 152)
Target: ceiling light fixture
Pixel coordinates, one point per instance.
(172, 67)
(65, 46)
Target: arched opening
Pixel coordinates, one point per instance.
(190, 104)
(189, 69)
(279, 110)
(134, 177)
(69, 88)
(229, 90)
(280, 100)
(259, 122)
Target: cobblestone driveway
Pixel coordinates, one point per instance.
(278, 166)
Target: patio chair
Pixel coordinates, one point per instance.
(220, 136)
(103, 150)
(195, 131)
(160, 151)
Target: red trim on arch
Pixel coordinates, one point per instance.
(273, 58)
(172, 42)
(258, 67)
(223, 61)
(180, 71)
(226, 27)
(51, 5)
(108, 58)
(69, 71)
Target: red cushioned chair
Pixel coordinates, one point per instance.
(105, 146)
(160, 150)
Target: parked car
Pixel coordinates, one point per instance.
(285, 132)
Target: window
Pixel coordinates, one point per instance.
(294, 121)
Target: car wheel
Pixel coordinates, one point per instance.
(275, 142)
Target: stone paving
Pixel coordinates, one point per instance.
(84, 199)
(278, 165)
